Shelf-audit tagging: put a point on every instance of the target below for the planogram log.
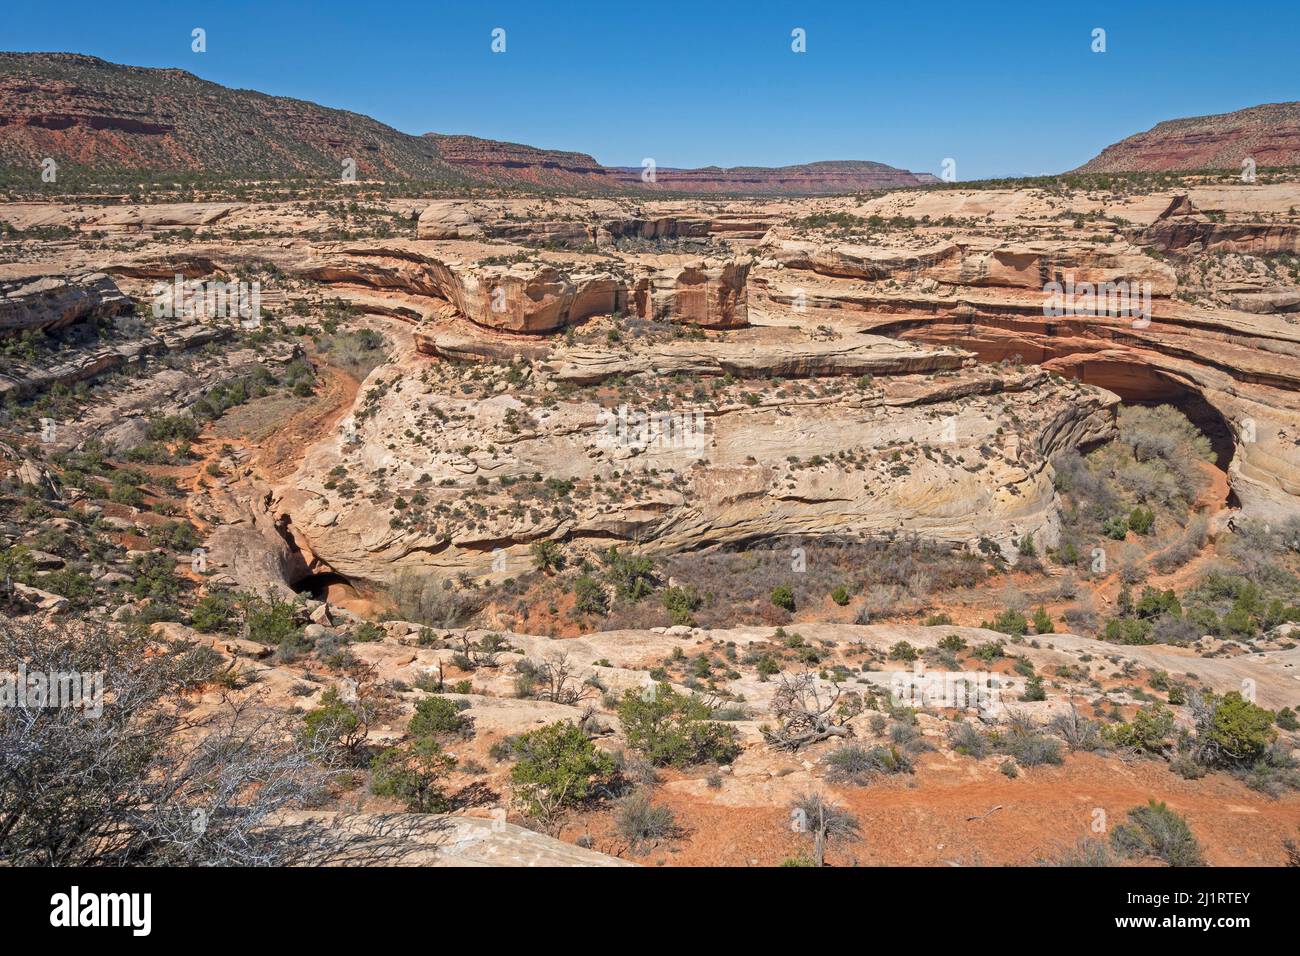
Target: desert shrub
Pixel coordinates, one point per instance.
(1043, 622)
(360, 351)
(1187, 767)
(825, 823)
(413, 775)
(1230, 730)
(589, 596)
(1185, 547)
(1274, 772)
(338, 725)
(155, 577)
(965, 739)
(121, 788)
(558, 768)
(840, 596)
(1079, 733)
(1128, 630)
(1022, 741)
(1148, 732)
(1156, 831)
(1010, 622)
(902, 651)
(680, 603)
(270, 620)
(1142, 520)
(855, 764)
(438, 716)
(1286, 719)
(547, 555)
(1034, 689)
(1085, 852)
(632, 576)
(640, 821)
(215, 612)
(783, 597)
(675, 729)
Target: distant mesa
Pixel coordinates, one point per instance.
(102, 117)
(556, 169)
(1269, 135)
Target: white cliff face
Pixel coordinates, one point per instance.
(438, 479)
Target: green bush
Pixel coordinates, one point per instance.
(558, 768)
(1115, 528)
(1034, 689)
(1142, 520)
(1232, 731)
(589, 596)
(270, 620)
(840, 596)
(155, 577)
(675, 729)
(1127, 630)
(680, 602)
(437, 716)
(547, 555)
(215, 613)
(335, 724)
(903, 651)
(1009, 622)
(1148, 732)
(1043, 622)
(413, 774)
(631, 575)
(783, 597)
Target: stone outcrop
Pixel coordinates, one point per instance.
(54, 302)
(532, 295)
(710, 293)
(856, 355)
(974, 262)
(1184, 229)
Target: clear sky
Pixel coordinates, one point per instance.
(1004, 88)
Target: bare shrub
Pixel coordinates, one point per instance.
(802, 716)
(144, 783)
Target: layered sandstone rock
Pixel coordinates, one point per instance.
(706, 292)
(835, 462)
(856, 355)
(1183, 228)
(975, 262)
(1269, 135)
(54, 302)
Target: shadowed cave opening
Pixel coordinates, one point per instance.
(1134, 381)
(327, 586)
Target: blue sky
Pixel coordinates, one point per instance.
(1006, 88)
